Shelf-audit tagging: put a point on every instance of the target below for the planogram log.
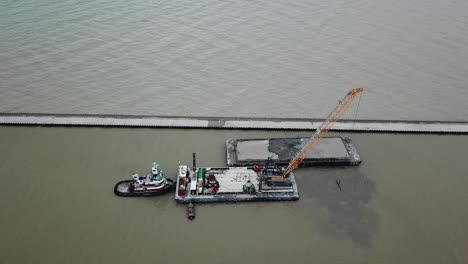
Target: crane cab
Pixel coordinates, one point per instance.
(272, 176)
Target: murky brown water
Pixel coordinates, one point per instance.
(406, 203)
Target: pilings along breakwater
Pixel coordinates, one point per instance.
(393, 126)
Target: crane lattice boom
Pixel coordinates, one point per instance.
(322, 130)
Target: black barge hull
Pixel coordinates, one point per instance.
(233, 198)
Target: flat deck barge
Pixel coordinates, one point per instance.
(233, 184)
(335, 151)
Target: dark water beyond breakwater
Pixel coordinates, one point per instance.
(405, 203)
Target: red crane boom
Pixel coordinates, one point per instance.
(322, 130)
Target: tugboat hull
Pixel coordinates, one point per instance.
(122, 188)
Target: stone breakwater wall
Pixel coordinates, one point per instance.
(392, 126)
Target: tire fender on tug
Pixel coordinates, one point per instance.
(191, 211)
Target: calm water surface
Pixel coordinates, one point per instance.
(234, 58)
(406, 203)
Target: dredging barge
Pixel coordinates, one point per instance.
(234, 184)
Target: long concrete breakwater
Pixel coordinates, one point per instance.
(397, 126)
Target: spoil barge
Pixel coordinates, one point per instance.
(334, 151)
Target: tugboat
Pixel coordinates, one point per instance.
(151, 184)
